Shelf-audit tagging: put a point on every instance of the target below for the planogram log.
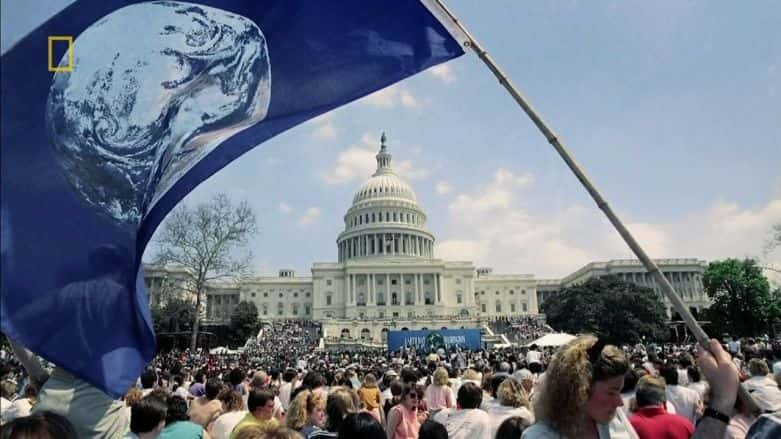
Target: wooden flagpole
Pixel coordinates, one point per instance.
(667, 288)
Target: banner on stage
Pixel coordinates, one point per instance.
(469, 339)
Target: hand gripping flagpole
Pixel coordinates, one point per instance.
(649, 264)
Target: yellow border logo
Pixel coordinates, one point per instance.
(69, 67)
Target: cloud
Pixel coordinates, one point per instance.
(443, 187)
(492, 226)
(309, 217)
(358, 163)
(325, 132)
(285, 208)
(443, 72)
(324, 127)
(391, 97)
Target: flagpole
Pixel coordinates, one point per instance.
(649, 264)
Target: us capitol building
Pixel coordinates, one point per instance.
(387, 276)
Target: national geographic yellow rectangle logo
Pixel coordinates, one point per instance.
(67, 68)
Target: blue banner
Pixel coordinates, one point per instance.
(145, 101)
(467, 339)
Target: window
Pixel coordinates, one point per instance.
(411, 315)
(512, 307)
(394, 298)
(308, 294)
(395, 218)
(295, 294)
(306, 309)
(387, 216)
(523, 305)
(482, 307)
(373, 217)
(265, 294)
(458, 281)
(381, 298)
(295, 309)
(523, 292)
(482, 293)
(408, 298)
(497, 293)
(361, 316)
(407, 281)
(393, 281)
(328, 282)
(265, 310)
(280, 294)
(379, 281)
(498, 306)
(395, 315)
(328, 300)
(253, 294)
(512, 292)
(280, 308)
(381, 315)
(459, 299)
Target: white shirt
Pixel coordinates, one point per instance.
(5, 407)
(225, 423)
(499, 413)
(765, 392)
(685, 401)
(284, 394)
(533, 357)
(465, 424)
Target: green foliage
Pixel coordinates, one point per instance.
(174, 315)
(618, 311)
(244, 322)
(742, 302)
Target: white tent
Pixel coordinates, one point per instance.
(556, 339)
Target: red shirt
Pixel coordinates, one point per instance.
(655, 423)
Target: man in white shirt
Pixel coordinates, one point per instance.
(468, 422)
(762, 387)
(287, 387)
(687, 402)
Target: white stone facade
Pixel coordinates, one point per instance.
(386, 276)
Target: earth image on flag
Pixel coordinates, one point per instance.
(136, 113)
(435, 340)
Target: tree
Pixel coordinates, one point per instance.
(741, 297)
(176, 314)
(244, 322)
(211, 242)
(618, 311)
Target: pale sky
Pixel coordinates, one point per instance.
(673, 108)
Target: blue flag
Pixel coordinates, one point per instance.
(144, 102)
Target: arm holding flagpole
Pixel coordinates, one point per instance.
(31, 364)
(678, 305)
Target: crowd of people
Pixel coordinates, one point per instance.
(520, 329)
(282, 386)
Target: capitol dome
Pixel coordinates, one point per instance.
(385, 219)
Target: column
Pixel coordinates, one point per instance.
(436, 288)
(387, 290)
(376, 250)
(403, 290)
(350, 289)
(370, 288)
(415, 288)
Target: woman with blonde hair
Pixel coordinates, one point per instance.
(233, 411)
(342, 401)
(512, 402)
(580, 394)
(439, 395)
(370, 396)
(306, 412)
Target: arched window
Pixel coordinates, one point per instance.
(384, 334)
(498, 306)
(345, 333)
(328, 300)
(365, 334)
(459, 298)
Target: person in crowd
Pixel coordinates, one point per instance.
(581, 392)
(512, 403)
(261, 412)
(261, 381)
(512, 428)
(390, 375)
(341, 403)
(23, 405)
(369, 395)
(534, 359)
(687, 402)
(403, 418)
(741, 420)
(147, 418)
(255, 432)
(231, 414)
(651, 419)
(631, 377)
(526, 378)
(431, 429)
(198, 387)
(696, 383)
(148, 381)
(286, 388)
(306, 413)
(178, 387)
(236, 378)
(177, 421)
(762, 386)
(205, 409)
(361, 425)
(42, 425)
(7, 395)
(439, 395)
(396, 389)
(469, 421)
(132, 396)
